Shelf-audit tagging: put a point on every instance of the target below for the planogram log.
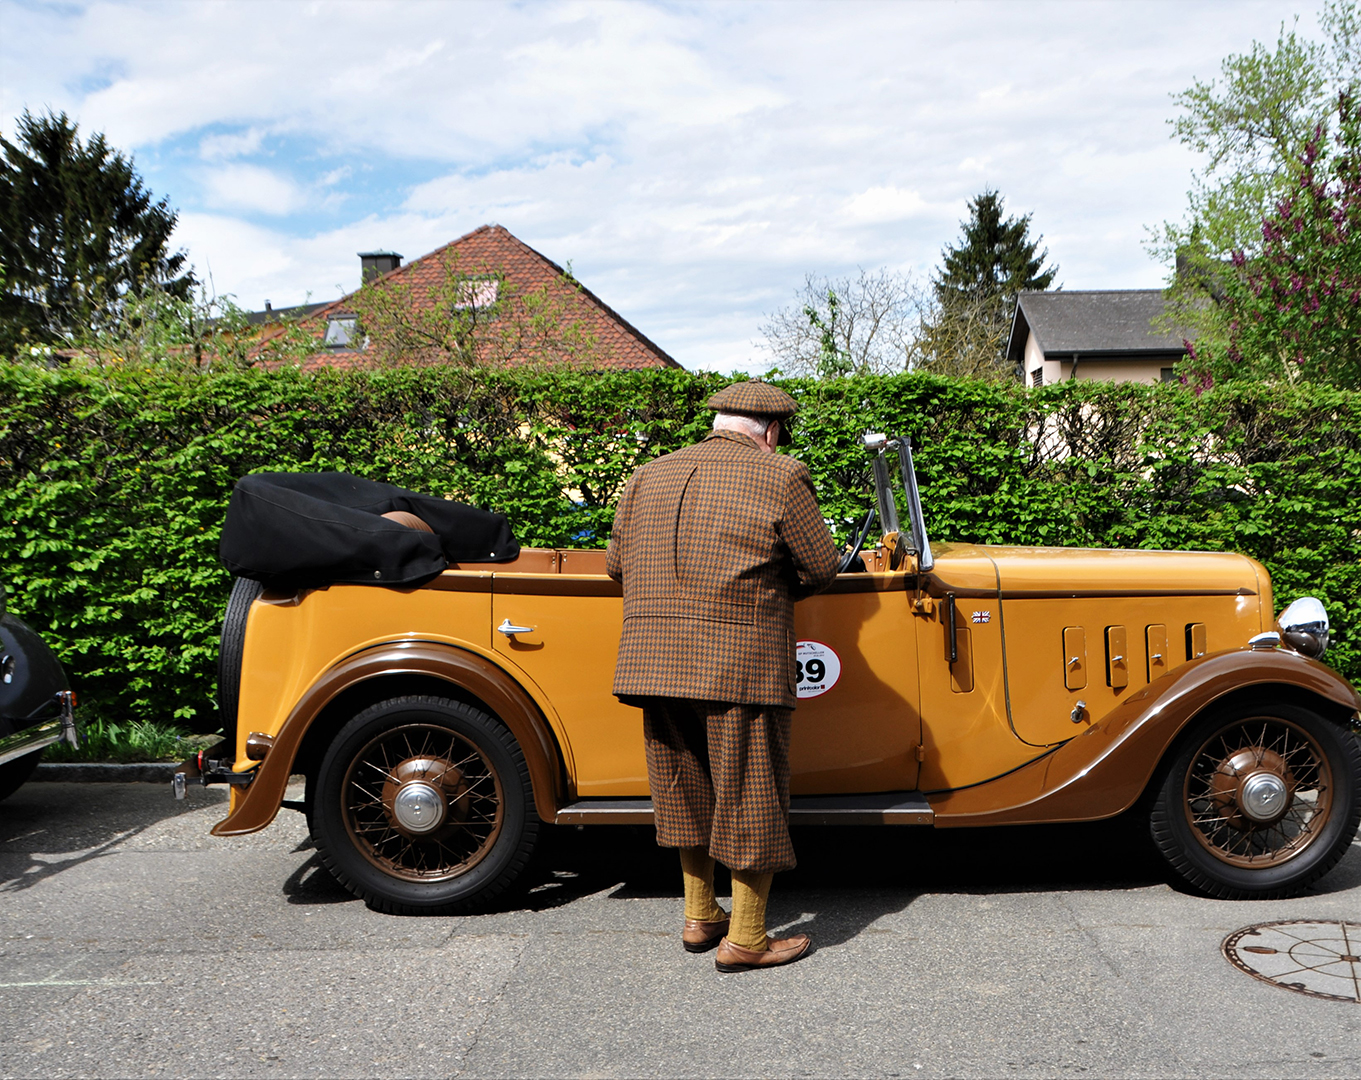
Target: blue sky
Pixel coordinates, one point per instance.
(692, 161)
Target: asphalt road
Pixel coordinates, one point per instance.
(134, 944)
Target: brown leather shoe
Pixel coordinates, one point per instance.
(700, 936)
(784, 951)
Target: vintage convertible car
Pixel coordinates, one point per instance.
(36, 702)
(940, 686)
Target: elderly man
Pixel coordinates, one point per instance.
(713, 544)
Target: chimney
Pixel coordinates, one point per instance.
(374, 264)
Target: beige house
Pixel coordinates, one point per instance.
(1111, 334)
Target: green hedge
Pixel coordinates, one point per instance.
(113, 485)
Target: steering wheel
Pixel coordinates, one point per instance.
(851, 561)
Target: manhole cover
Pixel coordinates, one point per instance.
(1321, 959)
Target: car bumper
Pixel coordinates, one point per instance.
(44, 733)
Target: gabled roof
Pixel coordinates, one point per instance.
(492, 249)
(275, 314)
(1111, 323)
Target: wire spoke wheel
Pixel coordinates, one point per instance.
(423, 803)
(1258, 792)
(1258, 800)
(424, 807)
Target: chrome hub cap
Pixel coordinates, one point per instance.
(1258, 792)
(423, 802)
(418, 807)
(1263, 796)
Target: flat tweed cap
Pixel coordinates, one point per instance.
(754, 398)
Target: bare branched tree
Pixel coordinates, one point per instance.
(961, 335)
(847, 326)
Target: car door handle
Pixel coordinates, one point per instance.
(510, 629)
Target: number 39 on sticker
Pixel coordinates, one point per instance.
(818, 668)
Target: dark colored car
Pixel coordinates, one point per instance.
(36, 703)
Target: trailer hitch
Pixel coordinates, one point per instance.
(208, 770)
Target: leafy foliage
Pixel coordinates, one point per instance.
(114, 481)
(1252, 125)
(1293, 310)
(133, 740)
(160, 329)
(78, 234)
(471, 316)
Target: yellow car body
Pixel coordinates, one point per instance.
(1002, 685)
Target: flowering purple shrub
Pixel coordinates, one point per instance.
(1294, 311)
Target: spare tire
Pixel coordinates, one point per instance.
(230, 647)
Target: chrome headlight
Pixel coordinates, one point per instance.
(1304, 627)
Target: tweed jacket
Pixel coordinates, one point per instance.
(713, 544)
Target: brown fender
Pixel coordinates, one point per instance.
(502, 695)
(1102, 771)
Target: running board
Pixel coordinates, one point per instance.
(884, 808)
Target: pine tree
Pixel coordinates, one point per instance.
(78, 234)
(975, 291)
(995, 259)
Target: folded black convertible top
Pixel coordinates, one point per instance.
(307, 529)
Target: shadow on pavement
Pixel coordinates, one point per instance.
(885, 869)
(893, 864)
(311, 884)
(1100, 855)
(84, 821)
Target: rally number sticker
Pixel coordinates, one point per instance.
(818, 668)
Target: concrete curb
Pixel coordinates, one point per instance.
(99, 772)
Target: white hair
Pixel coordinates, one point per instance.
(755, 426)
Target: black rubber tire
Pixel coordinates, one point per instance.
(1202, 872)
(230, 647)
(509, 853)
(14, 774)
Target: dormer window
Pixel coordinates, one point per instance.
(477, 294)
(340, 331)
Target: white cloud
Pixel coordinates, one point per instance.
(693, 161)
(880, 204)
(335, 176)
(251, 187)
(233, 258)
(221, 147)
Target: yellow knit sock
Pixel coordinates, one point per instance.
(749, 895)
(698, 869)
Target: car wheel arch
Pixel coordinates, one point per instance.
(1317, 688)
(1264, 695)
(1110, 766)
(389, 670)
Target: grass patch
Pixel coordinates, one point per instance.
(129, 741)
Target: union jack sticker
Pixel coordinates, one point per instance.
(982, 616)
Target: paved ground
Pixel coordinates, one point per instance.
(133, 944)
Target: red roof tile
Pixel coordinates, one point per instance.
(491, 249)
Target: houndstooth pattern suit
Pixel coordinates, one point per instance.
(713, 544)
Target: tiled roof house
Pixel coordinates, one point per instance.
(1116, 334)
(486, 257)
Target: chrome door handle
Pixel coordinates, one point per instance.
(510, 629)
